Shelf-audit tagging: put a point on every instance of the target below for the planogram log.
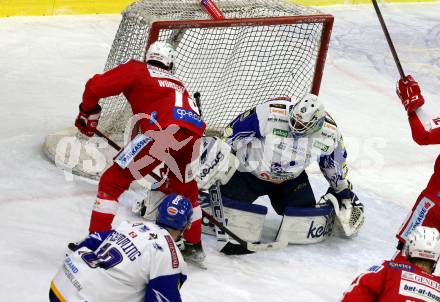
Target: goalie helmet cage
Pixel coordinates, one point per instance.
(263, 49)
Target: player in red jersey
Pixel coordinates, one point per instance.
(171, 127)
(425, 131)
(402, 281)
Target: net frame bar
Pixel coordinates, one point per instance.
(326, 19)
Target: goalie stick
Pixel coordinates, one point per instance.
(388, 38)
(243, 247)
(216, 201)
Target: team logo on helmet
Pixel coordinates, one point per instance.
(172, 211)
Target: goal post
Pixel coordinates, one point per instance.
(263, 49)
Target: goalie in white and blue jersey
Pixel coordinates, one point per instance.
(274, 143)
(134, 262)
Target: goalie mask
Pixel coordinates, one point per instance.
(424, 243)
(161, 52)
(306, 116)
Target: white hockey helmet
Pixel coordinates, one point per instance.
(161, 52)
(424, 243)
(307, 115)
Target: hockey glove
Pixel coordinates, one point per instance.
(86, 122)
(346, 196)
(217, 163)
(349, 211)
(409, 93)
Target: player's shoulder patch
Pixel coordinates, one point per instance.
(375, 268)
(400, 266)
(329, 119)
(247, 113)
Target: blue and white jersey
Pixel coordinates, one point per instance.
(133, 263)
(265, 146)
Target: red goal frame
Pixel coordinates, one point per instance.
(326, 19)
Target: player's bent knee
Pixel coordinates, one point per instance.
(245, 220)
(306, 225)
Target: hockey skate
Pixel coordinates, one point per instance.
(194, 254)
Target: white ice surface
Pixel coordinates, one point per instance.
(44, 63)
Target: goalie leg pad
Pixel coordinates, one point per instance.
(245, 220)
(306, 225)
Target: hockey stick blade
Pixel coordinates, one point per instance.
(235, 249)
(246, 246)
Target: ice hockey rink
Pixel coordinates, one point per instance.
(44, 64)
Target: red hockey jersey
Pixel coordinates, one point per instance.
(426, 210)
(149, 90)
(394, 282)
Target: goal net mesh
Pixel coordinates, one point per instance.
(234, 67)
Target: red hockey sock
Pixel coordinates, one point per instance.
(194, 233)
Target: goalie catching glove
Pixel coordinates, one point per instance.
(216, 163)
(349, 210)
(86, 122)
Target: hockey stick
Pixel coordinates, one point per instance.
(217, 210)
(388, 38)
(248, 246)
(243, 247)
(212, 9)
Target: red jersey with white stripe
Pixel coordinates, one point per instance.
(426, 210)
(150, 90)
(394, 282)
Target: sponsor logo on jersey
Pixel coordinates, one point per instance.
(205, 171)
(153, 236)
(153, 118)
(418, 216)
(435, 123)
(329, 126)
(419, 287)
(68, 262)
(174, 258)
(188, 116)
(156, 72)
(401, 266)
(279, 106)
(70, 270)
(132, 234)
(172, 211)
(277, 120)
(144, 229)
(320, 230)
(321, 146)
(410, 276)
(280, 132)
(157, 246)
(278, 111)
(133, 148)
